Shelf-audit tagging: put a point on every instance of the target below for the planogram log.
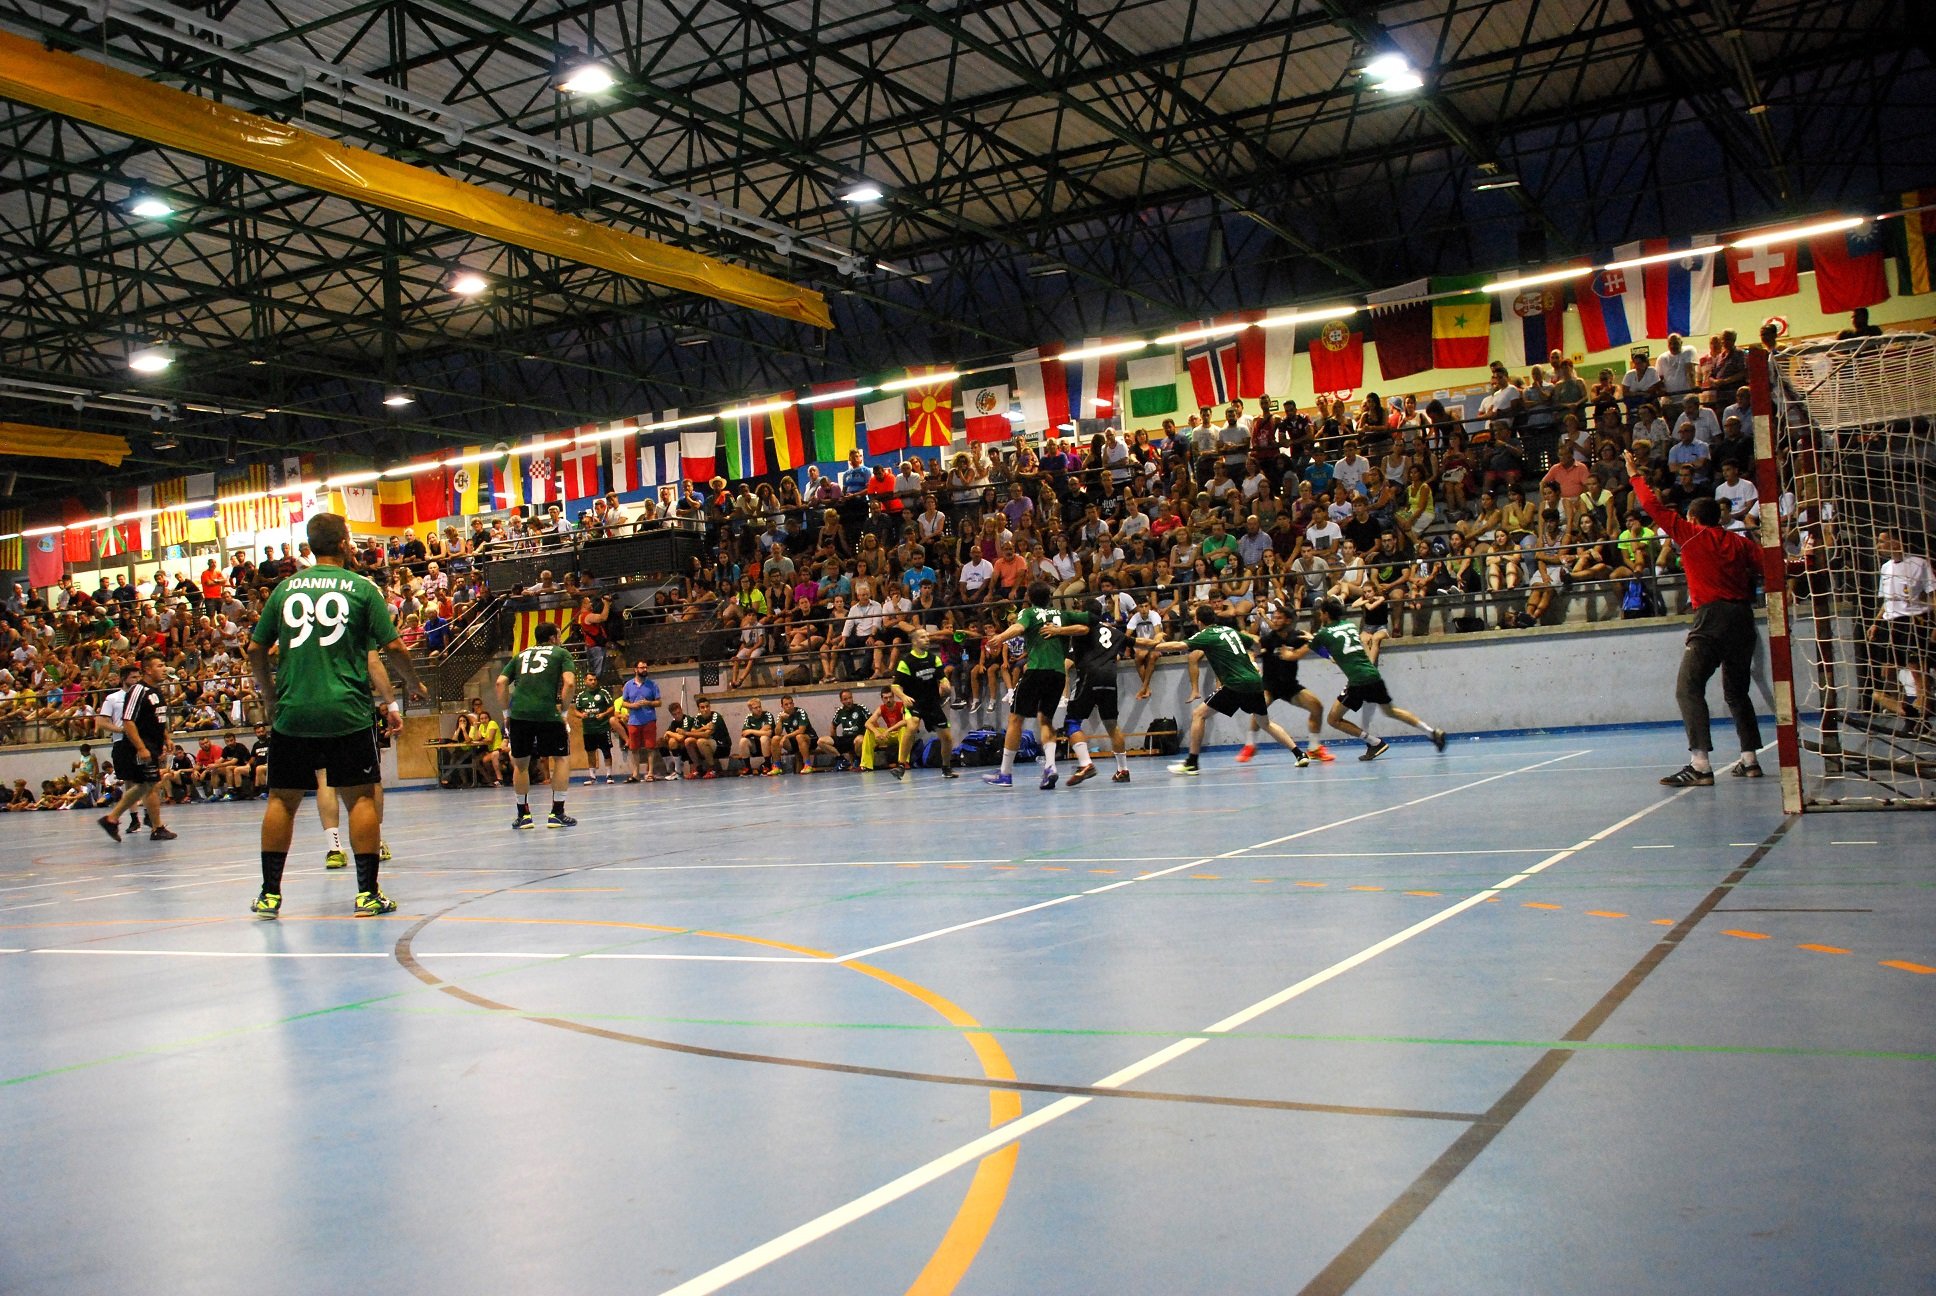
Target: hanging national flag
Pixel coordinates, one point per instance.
(931, 412)
(46, 553)
(524, 626)
(622, 467)
(1251, 356)
(660, 464)
(1535, 323)
(13, 550)
(1848, 269)
(1678, 292)
(1280, 359)
(129, 537)
(507, 478)
(109, 539)
(580, 468)
(465, 480)
(77, 542)
(1461, 324)
(1152, 382)
(202, 525)
(1338, 358)
(986, 410)
(171, 524)
(1613, 312)
(359, 504)
(1401, 329)
(1091, 384)
(1918, 242)
(886, 420)
(1043, 389)
(1760, 273)
(239, 493)
(698, 460)
(1212, 363)
(540, 476)
(833, 424)
(786, 448)
(430, 493)
(396, 504)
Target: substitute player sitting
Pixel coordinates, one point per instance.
(1239, 685)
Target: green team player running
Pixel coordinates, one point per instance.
(1338, 637)
(322, 624)
(532, 690)
(1239, 686)
(1042, 629)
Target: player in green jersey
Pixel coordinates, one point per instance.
(844, 733)
(920, 680)
(595, 707)
(1239, 685)
(1337, 636)
(1042, 630)
(322, 625)
(796, 733)
(532, 690)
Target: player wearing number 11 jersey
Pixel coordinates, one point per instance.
(322, 625)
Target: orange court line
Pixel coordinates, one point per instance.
(1055, 868)
(1538, 904)
(1825, 949)
(1102, 870)
(1917, 968)
(1424, 893)
(1206, 877)
(1312, 884)
(1663, 922)
(1604, 913)
(1367, 888)
(1744, 935)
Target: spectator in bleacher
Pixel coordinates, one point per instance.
(1641, 384)
(1676, 368)
(1687, 451)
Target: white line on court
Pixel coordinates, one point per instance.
(40, 905)
(683, 868)
(813, 1230)
(1203, 859)
(35, 886)
(106, 895)
(560, 955)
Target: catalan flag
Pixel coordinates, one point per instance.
(524, 626)
(171, 524)
(13, 554)
(239, 497)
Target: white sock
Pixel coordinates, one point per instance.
(1048, 757)
(1698, 760)
(1008, 760)
(1750, 758)
(1122, 760)
(1081, 748)
(1423, 726)
(335, 839)
(1365, 717)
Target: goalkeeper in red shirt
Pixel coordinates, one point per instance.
(1723, 568)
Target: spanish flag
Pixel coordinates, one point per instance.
(1918, 227)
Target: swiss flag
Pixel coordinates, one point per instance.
(1848, 269)
(1759, 273)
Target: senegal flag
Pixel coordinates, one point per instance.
(1462, 323)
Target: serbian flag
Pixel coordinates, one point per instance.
(886, 421)
(1679, 292)
(834, 424)
(540, 477)
(1761, 273)
(1091, 384)
(1535, 325)
(1613, 312)
(1848, 269)
(1042, 387)
(931, 413)
(787, 449)
(580, 465)
(624, 473)
(1337, 358)
(986, 408)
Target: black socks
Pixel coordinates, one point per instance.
(272, 862)
(366, 866)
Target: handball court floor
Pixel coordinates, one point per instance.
(1509, 1019)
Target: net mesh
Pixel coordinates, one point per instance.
(1858, 477)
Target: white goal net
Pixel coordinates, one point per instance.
(1858, 514)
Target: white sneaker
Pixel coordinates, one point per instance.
(1008, 698)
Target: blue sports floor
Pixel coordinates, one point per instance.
(1510, 1019)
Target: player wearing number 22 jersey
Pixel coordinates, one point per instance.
(1364, 685)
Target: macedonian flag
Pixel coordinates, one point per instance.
(931, 411)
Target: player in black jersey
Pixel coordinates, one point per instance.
(1278, 666)
(920, 681)
(1096, 653)
(138, 752)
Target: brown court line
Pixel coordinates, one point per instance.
(1378, 1237)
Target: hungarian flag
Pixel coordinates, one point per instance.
(833, 424)
(1338, 358)
(540, 477)
(1848, 269)
(1401, 329)
(1761, 273)
(1535, 325)
(986, 407)
(1918, 238)
(580, 464)
(787, 449)
(931, 413)
(1152, 382)
(1679, 292)
(1461, 324)
(1091, 384)
(77, 542)
(430, 491)
(886, 421)
(1041, 387)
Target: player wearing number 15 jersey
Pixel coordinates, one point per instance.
(534, 689)
(322, 626)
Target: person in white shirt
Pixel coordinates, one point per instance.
(1738, 497)
(1706, 427)
(974, 579)
(1650, 427)
(1348, 473)
(1133, 523)
(1899, 635)
(1676, 368)
(1640, 385)
(1324, 536)
(1501, 400)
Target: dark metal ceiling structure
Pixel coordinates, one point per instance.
(1052, 169)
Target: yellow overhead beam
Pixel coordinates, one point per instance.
(57, 443)
(120, 101)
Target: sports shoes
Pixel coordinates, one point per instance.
(1745, 768)
(1377, 749)
(959, 704)
(1688, 776)
(1301, 756)
(369, 904)
(1049, 780)
(559, 819)
(948, 771)
(842, 765)
(162, 834)
(1008, 698)
(631, 778)
(771, 771)
(1438, 739)
(336, 860)
(899, 771)
(1243, 757)
(1120, 776)
(522, 822)
(1322, 753)
(806, 767)
(591, 780)
(111, 826)
(999, 780)
(710, 774)
(383, 850)
(1083, 775)
(649, 778)
(267, 905)
(1186, 767)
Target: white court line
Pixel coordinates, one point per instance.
(1201, 860)
(156, 953)
(106, 895)
(234, 877)
(35, 886)
(813, 1230)
(41, 905)
(1667, 846)
(683, 868)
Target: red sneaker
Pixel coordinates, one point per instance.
(1244, 755)
(1322, 753)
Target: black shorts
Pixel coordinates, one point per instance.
(1092, 699)
(1282, 687)
(599, 743)
(1902, 642)
(348, 760)
(538, 738)
(931, 714)
(844, 743)
(130, 768)
(1228, 701)
(1356, 695)
(1039, 693)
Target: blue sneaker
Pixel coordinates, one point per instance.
(1049, 781)
(999, 780)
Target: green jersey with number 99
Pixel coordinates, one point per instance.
(323, 624)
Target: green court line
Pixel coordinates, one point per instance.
(1584, 1046)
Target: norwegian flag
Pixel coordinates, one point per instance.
(1215, 369)
(581, 469)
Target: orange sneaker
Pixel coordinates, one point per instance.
(1246, 753)
(1322, 753)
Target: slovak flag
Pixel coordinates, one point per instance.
(1612, 310)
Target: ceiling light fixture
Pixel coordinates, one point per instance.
(1655, 258)
(1104, 349)
(1800, 232)
(589, 78)
(863, 192)
(397, 398)
(920, 380)
(1534, 280)
(147, 358)
(149, 206)
(822, 398)
(1491, 183)
(1198, 334)
(1306, 317)
(469, 283)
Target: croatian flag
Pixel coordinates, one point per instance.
(1679, 291)
(1091, 384)
(1612, 309)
